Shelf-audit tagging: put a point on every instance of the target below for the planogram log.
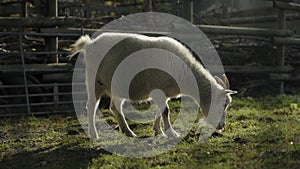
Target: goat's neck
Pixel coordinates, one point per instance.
(205, 92)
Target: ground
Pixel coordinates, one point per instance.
(260, 133)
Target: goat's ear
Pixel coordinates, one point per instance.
(230, 91)
(220, 82)
(226, 82)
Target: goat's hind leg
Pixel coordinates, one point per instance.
(157, 126)
(121, 118)
(91, 107)
(167, 123)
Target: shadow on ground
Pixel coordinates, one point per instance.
(66, 156)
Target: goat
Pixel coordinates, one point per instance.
(99, 82)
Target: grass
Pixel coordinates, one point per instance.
(260, 133)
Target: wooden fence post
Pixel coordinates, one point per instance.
(188, 10)
(52, 42)
(24, 9)
(55, 95)
(150, 6)
(281, 20)
(226, 8)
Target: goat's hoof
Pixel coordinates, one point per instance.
(160, 133)
(172, 133)
(163, 135)
(93, 135)
(130, 134)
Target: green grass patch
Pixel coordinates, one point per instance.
(260, 133)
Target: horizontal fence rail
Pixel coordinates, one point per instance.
(45, 88)
(56, 98)
(41, 98)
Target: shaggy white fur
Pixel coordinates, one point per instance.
(99, 79)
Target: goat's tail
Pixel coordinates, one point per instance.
(79, 45)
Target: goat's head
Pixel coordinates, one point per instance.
(223, 100)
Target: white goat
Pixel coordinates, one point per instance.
(99, 82)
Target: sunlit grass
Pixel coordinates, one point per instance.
(260, 133)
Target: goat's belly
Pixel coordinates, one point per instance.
(149, 80)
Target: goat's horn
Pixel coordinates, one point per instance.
(226, 81)
(220, 81)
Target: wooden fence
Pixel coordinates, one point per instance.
(36, 76)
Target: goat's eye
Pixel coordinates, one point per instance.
(100, 83)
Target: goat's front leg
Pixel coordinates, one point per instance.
(167, 123)
(121, 118)
(157, 126)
